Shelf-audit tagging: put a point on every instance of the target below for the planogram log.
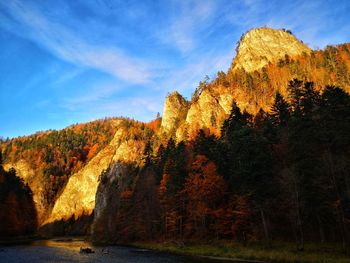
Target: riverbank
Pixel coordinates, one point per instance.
(231, 251)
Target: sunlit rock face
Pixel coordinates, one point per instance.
(210, 110)
(78, 197)
(22, 168)
(181, 119)
(260, 46)
(175, 111)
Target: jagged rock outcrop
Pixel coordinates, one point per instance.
(260, 46)
(175, 111)
(209, 110)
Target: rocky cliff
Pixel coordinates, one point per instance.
(175, 111)
(260, 46)
(78, 197)
(113, 182)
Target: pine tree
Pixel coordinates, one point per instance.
(280, 111)
(147, 154)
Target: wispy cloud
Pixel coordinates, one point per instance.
(96, 95)
(68, 46)
(186, 23)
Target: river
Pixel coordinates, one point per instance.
(68, 251)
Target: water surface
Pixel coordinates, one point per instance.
(68, 251)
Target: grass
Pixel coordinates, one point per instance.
(280, 252)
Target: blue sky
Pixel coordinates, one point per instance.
(64, 62)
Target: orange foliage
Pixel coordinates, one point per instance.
(204, 190)
(92, 151)
(154, 124)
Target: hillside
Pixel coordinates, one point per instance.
(46, 160)
(234, 162)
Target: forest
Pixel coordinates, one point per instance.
(278, 175)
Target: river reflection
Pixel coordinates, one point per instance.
(68, 251)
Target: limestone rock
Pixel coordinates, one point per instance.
(78, 197)
(175, 111)
(260, 46)
(210, 110)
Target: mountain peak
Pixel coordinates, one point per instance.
(260, 46)
(175, 109)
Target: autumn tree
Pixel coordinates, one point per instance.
(204, 190)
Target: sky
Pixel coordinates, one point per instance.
(65, 62)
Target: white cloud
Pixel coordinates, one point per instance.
(66, 44)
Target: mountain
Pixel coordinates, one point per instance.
(99, 169)
(78, 197)
(267, 59)
(261, 46)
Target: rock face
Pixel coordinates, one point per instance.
(112, 177)
(182, 118)
(108, 200)
(127, 204)
(260, 46)
(208, 111)
(78, 197)
(175, 111)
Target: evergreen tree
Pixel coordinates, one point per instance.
(147, 154)
(205, 145)
(280, 111)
